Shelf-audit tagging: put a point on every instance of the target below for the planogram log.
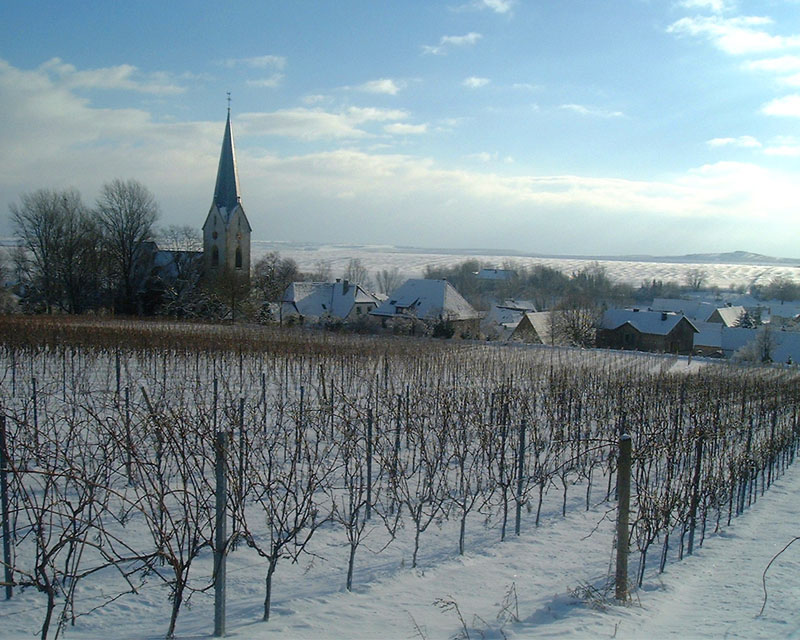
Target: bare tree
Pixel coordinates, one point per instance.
(356, 272)
(576, 322)
(321, 273)
(180, 238)
(127, 211)
(272, 274)
(59, 264)
(388, 280)
(696, 278)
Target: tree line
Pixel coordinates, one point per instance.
(73, 257)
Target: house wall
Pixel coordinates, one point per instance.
(679, 340)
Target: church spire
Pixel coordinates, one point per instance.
(226, 191)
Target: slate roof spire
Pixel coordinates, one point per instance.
(226, 191)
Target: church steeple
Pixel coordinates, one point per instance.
(226, 191)
(226, 232)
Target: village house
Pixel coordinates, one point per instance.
(534, 328)
(656, 331)
(429, 306)
(504, 317)
(496, 274)
(315, 301)
(700, 311)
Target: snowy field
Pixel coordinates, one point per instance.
(412, 262)
(551, 581)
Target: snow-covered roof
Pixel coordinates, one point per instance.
(427, 300)
(729, 315)
(541, 323)
(509, 312)
(652, 322)
(317, 299)
(496, 274)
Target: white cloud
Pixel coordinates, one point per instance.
(785, 151)
(788, 106)
(526, 86)
(782, 64)
(447, 42)
(55, 138)
(737, 36)
(718, 6)
(742, 141)
(475, 83)
(591, 111)
(401, 128)
(498, 6)
(270, 82)
(384, 85)
(125, 77)
(258, 62)
(317, 124)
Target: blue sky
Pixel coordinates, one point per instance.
(596, 128)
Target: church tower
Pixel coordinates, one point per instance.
(226, 232)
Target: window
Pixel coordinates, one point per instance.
(238, 257)
(214, 256)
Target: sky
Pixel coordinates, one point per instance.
(658, 127)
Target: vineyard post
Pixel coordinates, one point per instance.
(35, 416)
(128, 442)
(369, 464)
(221, 535)
(117, 370)
(695, 500)
(623, 514)
(6, 517)
(520, 471)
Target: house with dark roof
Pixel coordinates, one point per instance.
(657, 331)
(431, 305)
(314, 301)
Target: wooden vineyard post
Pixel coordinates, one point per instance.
(695, 499)
(369, 464)
(520, 471)
(6, 519)
(623, 515)
(221, 534)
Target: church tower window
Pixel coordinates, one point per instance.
(238, 257)
(215, 256)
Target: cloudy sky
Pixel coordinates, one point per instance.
(568, 127)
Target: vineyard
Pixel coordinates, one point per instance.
(394, 452)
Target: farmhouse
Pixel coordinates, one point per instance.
(698, 311)
(340, 300)
(503, 318)
(646, 331)
(496, 274)
(432, 303)
(534, 328)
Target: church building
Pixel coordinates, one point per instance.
(226, 232)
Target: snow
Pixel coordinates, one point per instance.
(715, 593)
(411, 263)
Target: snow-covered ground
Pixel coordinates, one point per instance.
(411, 263)
(523, 588)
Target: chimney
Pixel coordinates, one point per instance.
(345, 286)
(663, 316)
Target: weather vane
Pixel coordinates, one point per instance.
(229, 101)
